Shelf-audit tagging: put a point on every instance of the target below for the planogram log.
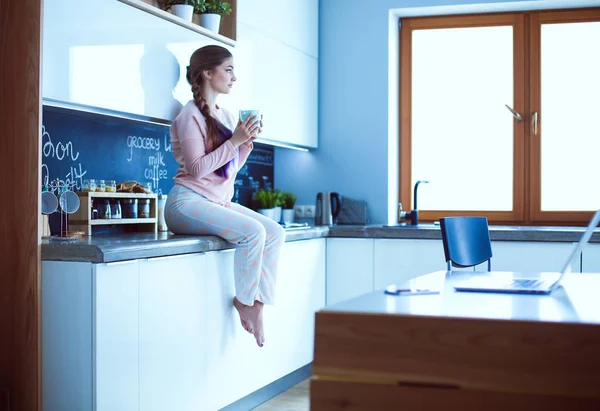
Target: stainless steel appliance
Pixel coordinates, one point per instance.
(327, 208)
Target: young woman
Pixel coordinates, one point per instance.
(211, 146)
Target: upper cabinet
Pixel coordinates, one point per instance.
(111, 55)
(132, 56)
(277, 67)
(291, 22)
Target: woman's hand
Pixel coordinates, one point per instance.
(260, 126)
(246, 130)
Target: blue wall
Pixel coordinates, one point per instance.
(353, 102)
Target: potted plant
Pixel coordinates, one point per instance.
(181, 8)
(210, 12)
(288, 203)
(264, 202)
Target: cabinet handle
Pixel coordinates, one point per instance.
(113, 263)
(534, 123)
(170, 257)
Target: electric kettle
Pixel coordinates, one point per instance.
(327, 208)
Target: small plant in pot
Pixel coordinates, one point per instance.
(181, 8)
(288, 203)
(264, 202)
(211, 12)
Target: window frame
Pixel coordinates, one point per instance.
(526, 92)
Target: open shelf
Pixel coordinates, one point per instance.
(227, 33)
(113, 221)
(81, 220)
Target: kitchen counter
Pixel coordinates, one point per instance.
(429, 231)
(110, 248)
(107, 248)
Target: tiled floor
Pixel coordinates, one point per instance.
(294, 399)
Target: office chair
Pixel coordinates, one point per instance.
(466, 241)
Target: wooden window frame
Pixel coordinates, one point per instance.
(526, 91)
(535, 213)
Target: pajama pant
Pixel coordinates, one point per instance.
(258, 239)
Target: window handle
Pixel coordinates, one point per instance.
(534, 123)
(514, 113)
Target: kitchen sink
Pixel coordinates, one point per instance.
(420, 226)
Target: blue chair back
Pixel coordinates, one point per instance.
(466, 241)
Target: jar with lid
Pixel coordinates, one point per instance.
(103, 208)
(101, 186)
(144, 208)
(115, 208)
(111, 186)
(88, 185)
(130, 208)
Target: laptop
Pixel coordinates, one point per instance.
(532, 285)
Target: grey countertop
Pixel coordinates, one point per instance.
(497, 232)
(108, 248)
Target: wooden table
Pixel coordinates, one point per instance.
(455, 350)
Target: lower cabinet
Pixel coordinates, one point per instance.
(532, 256)
(590, 259)
(162, 334)
(172, 332)
(116, 336)
(349, 268)
(235, 365)
(90, 336)
(398, 260)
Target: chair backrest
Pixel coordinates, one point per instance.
(466, 241)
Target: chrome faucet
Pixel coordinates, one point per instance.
(413, 215)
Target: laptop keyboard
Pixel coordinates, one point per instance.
(525, 283)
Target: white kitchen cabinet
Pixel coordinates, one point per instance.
(285, 92)
(90, 336)
(531, 256)
(235, 364)
(398, 260)
(116, 336)
(590, 259)
(172, 334)
(294, 23)
(349, 268)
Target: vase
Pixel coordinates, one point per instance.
(184, 11)
(287, 215)
(210, 21)
(267, 212)
(277, 214)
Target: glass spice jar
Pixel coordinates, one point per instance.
(111, 186)
(103, 208)
(144, 208)
(101, 186)
(130, 208)
(88, 185)
(115, 209)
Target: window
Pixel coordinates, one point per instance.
(497, 111)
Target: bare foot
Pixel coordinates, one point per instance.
(238, 306)
(252, 315)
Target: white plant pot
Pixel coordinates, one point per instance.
(210, 21)
(185, 11)
(277, 214)
(288, 215)
(267, 212)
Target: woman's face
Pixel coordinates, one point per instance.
(221, 78)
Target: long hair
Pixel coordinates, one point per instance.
(207, 58)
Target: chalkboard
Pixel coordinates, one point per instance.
(78, 145)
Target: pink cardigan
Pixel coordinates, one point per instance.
(197, 171)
